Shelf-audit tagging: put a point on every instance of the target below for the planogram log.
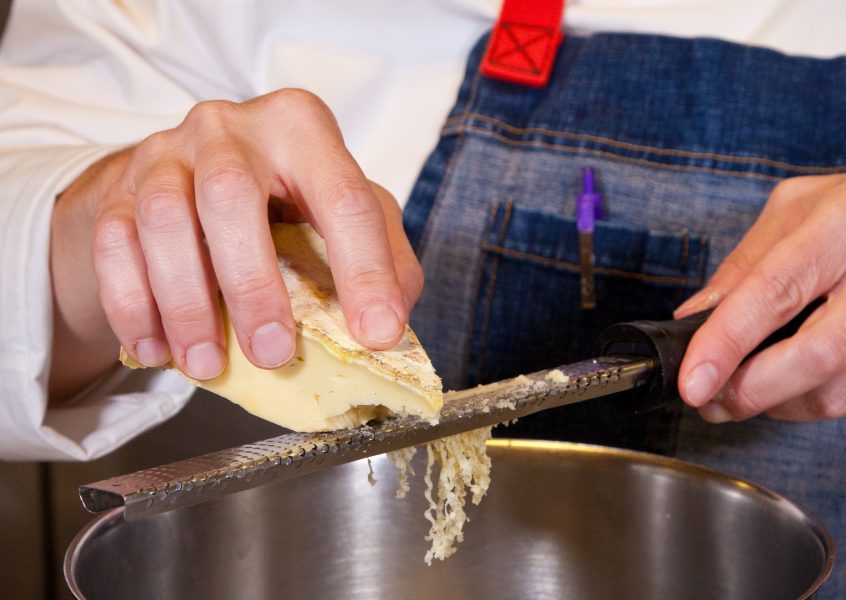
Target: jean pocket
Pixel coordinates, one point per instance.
(528, 312)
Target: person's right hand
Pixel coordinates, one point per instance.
(155, 231)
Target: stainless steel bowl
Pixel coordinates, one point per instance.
(559, 521)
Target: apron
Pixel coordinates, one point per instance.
(687, 139)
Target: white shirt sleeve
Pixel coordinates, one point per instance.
(111, 411)
(60, 111)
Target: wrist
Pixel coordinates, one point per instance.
(83, 346)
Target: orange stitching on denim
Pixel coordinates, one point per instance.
(491, 217)
(645, 148)
(506, 219)
(568, 266)
(623, 159)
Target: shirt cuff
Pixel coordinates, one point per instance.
(114, 409)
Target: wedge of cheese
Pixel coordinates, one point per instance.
(333, 382)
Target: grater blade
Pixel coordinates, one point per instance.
(204, 478)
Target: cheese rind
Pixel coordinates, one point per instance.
(317, 311)
(333, 382)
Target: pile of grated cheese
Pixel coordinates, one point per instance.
(463, 464)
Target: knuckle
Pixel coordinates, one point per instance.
(782, 294)
(825, 354)
(735, 264)
(126, 309)
(211, 115)
(828, 404)
(301, 102)
(414, 279)
(350, 199)
(733, 345)
(226, 184)
(252, 283)
(417, 275)
(153, 147)
(112, 235)
(747, 403)
(739, 259)
(787, 191)
(834, 207)
(189, 314)
(361, 275)
(301, 112)
(162, 208)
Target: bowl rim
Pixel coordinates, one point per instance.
(114, 516)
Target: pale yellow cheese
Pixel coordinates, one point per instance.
(316, 391)
(332, 382)
(558, 376)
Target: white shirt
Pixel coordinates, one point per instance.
(79, 78)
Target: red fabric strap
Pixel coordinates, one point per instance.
(524, 41)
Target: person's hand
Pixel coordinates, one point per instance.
(155, 231)
(793, 254)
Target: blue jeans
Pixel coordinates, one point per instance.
(688, 138)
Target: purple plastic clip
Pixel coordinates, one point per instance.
(589, 203)
(588, 210)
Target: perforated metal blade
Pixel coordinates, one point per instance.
(204, 478)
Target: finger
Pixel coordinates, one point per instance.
(409, 271)
(333, 193)
(826, 402)
(791, 368)
(788, 205)
(177, 263)
(125, 293)
(800, 268)
(232, 205)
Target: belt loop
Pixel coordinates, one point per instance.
(524, 41)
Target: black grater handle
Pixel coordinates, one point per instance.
(665, 342)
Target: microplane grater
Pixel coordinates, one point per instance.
(204, 478)
(640, 354)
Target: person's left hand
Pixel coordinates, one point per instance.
(793, 254)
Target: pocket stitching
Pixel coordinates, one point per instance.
(572, 267)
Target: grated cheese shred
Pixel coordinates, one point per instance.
(402, 461)
(463, 463)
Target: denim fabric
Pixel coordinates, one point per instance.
(688, 138)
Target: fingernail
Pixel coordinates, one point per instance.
(701, 300)
(380, 324)
(701, 384)
(205, 361)
(272, 345)
(152, 352)
(714, 412)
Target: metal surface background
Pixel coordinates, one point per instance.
(560, 521)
